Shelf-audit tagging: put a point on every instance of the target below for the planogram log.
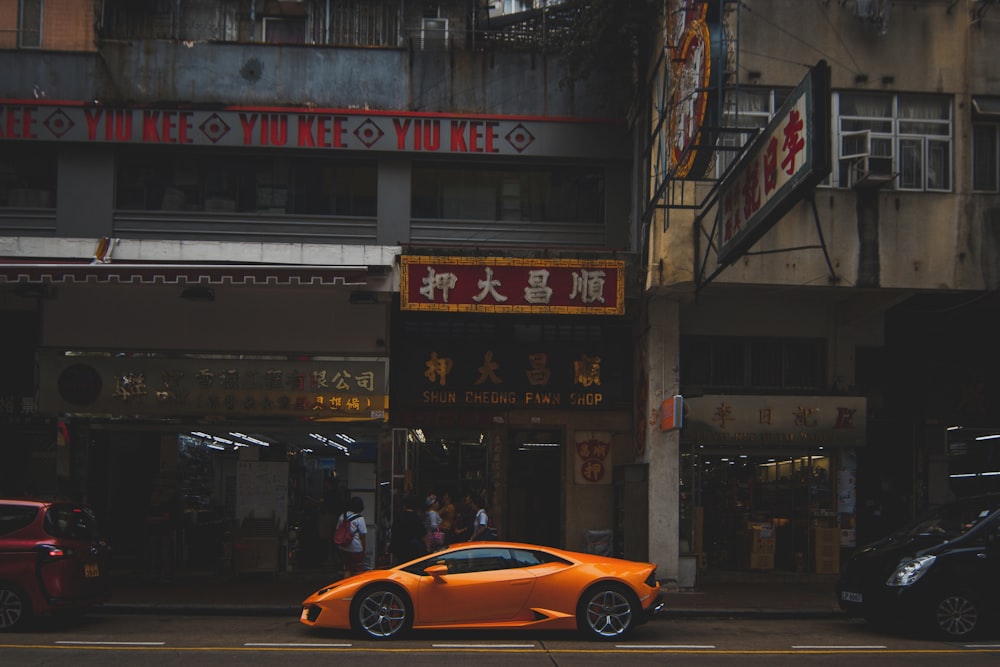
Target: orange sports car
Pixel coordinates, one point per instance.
(492, 585)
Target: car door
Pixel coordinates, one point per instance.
(482, 585)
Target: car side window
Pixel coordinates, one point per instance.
(470, 560)
(15, 517)
(529, 557)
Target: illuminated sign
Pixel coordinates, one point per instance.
(505, 375)
(695, 52)
(311, 129)
(512, 285)
(786, 160)
(155, 385)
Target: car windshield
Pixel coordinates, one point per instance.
(952, 520)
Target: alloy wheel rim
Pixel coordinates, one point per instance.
(10, 608)
(382, 614)
(957, 616)
(609, 613)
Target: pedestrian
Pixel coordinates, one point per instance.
(480, 522)
(406, 541)
(432, 524)
(353, 553)
(447, 514)
(464, 514)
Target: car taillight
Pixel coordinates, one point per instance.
(52, 552)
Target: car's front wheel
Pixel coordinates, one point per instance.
(15, 610)
(607, 611)
(957, 616)
(381, 612)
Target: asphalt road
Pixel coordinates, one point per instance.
(210, 640)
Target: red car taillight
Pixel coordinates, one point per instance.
(50, 552)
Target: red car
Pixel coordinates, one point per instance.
(51, 560)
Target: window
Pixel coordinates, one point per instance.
(16, 517)
(753, 109)
(913, 131)
(29, 24)
(553, 194)
(986, 144)
(239, 183)
(27, 176)
(764, 364)
(469, 560)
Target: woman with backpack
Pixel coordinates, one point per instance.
(349, 536)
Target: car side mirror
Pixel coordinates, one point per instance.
(436, 570)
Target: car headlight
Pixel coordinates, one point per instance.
(910, 571)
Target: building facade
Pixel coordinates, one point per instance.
(831, 344)
(211, 213)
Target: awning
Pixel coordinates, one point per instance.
(20, 272)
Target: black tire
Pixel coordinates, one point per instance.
(381, 611)
(957, 616)
(607, 611)
(15, 608)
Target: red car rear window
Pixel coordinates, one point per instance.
(71, 522)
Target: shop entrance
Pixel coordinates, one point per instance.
(534, 505)
(763, 510)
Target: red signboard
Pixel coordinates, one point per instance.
(513, 285)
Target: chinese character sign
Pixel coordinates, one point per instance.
(593, 457)
(782, 165)
(512, 285)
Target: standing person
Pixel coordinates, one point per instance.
(432, 524)
(447, 514)
(480, 521)
(407, 539)
(461, 529)
(354, 552)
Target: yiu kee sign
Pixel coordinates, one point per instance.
(512, 285)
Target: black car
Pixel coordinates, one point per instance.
(939, 574)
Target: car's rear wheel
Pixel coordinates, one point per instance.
(607, 611)
(957, 616)
(15, 609)
(381, 612)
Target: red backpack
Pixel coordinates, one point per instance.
(343, 536)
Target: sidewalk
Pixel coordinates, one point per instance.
(759, 594)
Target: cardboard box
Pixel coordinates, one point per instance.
(762, 561)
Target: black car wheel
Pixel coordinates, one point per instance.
(381, 612)
(15, 610)
(607, 611)
(957, 616)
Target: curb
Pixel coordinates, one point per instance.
(294, 610)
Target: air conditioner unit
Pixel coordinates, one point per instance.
(869, 171)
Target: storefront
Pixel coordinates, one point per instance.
(521, 396)
(768, 482)
(240, 410)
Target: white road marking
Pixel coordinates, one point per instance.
(81, 643)
(483, 646)
(835, 648)
(665, 646)
(292, 645)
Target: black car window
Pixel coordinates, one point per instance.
(529, 557)
(954, 519)
(72, 522)
(16, 517)
(469, 560)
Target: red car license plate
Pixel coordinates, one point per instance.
(91, 570)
